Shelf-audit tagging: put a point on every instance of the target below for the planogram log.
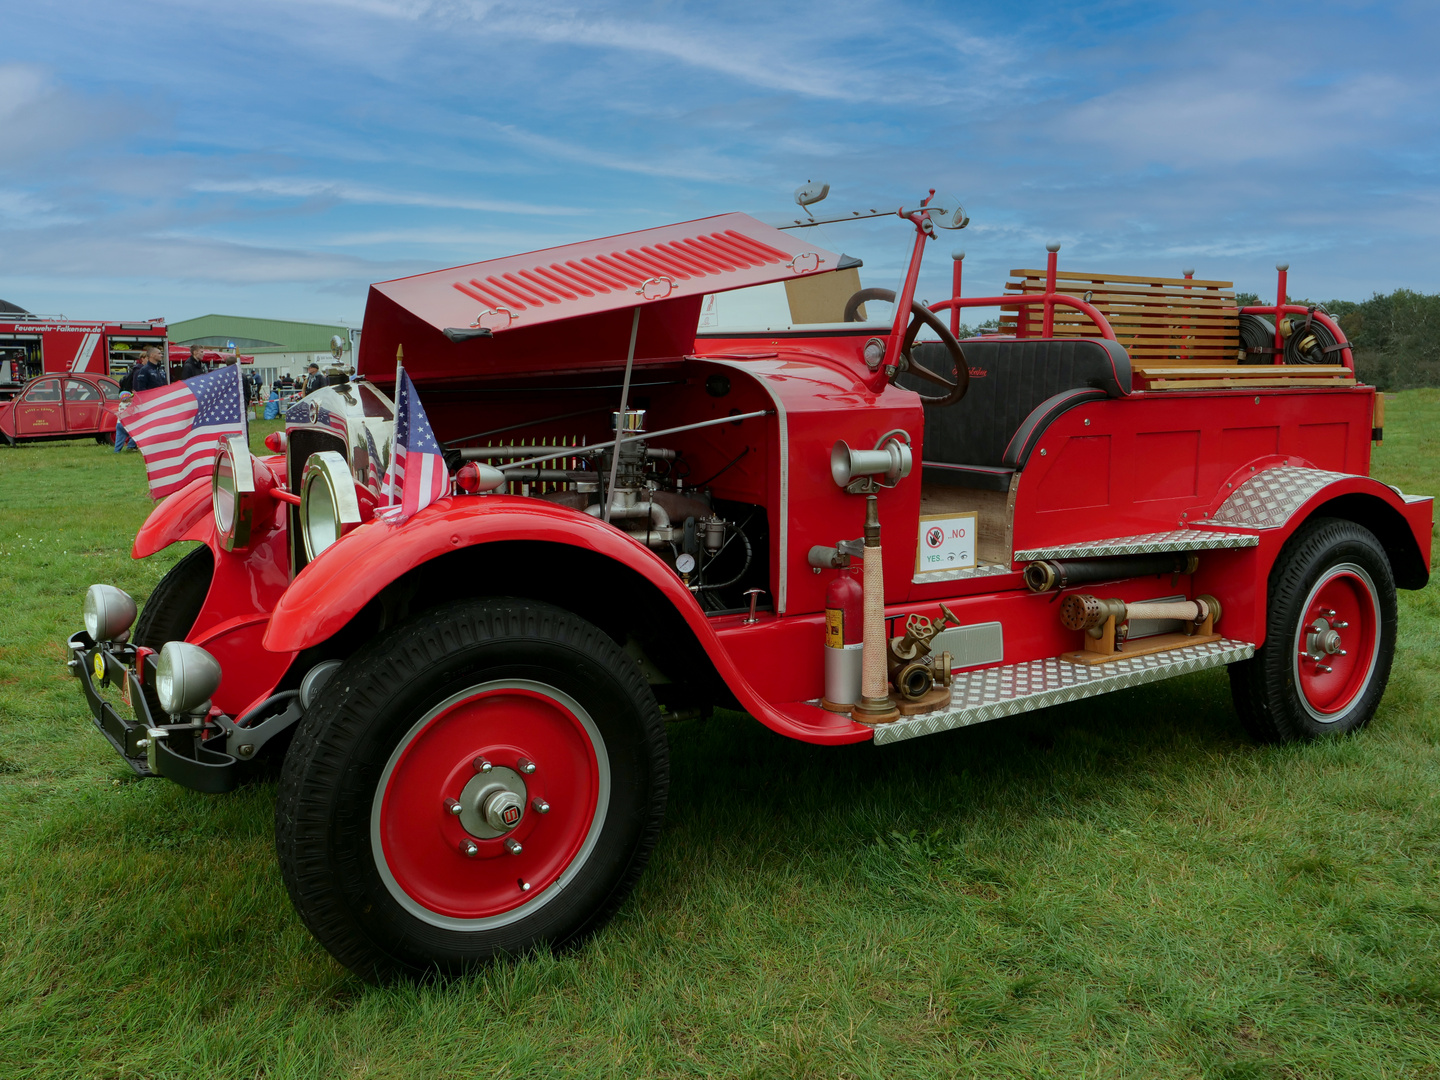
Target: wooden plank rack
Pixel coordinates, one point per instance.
(1243, 376)
(1161, 321)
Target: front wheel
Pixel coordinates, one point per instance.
(1330, 636)
(488, 778)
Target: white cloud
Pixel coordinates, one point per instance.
(41, 118)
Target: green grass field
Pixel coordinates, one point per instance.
(1121, 887)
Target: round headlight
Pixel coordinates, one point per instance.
(108, 612)
(232, 492)
(223, 494)
(327, 501)
(320, 517)
(185, 677)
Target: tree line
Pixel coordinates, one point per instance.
(1396, 336)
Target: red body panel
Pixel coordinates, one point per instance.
(1153, 462)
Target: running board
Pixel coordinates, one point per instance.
(989, 693)
(1144, 544)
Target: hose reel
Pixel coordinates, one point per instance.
(1257, 340)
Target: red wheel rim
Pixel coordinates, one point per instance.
(1336, 642)
(442, 867)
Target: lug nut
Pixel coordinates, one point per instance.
(1324, 669)
(524, 885)
(481, 765)
(525, 765)
(1340, 625)
(469, 848)
(513, 846)
(452, 806)
(540, 805)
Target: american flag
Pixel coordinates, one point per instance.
(417, 475)
(178, 426)
(372, 463)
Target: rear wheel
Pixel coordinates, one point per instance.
(1330, 636)
(174, 605)
(488, 778)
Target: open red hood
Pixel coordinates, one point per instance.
(570, 308)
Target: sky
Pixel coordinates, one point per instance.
(182, 157)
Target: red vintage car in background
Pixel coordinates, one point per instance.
(800, 512)
(77, 405)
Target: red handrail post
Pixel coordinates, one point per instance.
(957, 258)
(1047, 325)
(1280, 294)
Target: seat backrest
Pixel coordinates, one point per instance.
(1008, 380)
(1160, 321)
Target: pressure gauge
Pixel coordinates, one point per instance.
(685, 564)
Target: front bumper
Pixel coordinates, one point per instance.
(174, 751)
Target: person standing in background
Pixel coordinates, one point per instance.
(122, 437)
(314, 381)
(194, 363)
(146, 375)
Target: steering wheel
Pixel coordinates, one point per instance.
(920, 315)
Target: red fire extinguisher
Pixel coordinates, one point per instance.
(844, 641)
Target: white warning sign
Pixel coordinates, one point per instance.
(946, 543)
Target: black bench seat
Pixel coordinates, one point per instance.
(1017, 389)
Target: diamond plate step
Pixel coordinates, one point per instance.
(977, 696)
(1178, 540)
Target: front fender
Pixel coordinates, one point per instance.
(1276, 502)
(1284, 497)
(182, 515)
(333, 588)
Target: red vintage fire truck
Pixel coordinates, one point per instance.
(804, 513)
(32, 345)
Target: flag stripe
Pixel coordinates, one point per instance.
(178, 426)
(410, 486)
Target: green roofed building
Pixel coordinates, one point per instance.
(278, 345)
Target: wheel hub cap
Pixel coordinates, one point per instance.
(1337, 648)
(492, 803)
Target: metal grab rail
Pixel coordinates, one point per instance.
(1048, 299)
